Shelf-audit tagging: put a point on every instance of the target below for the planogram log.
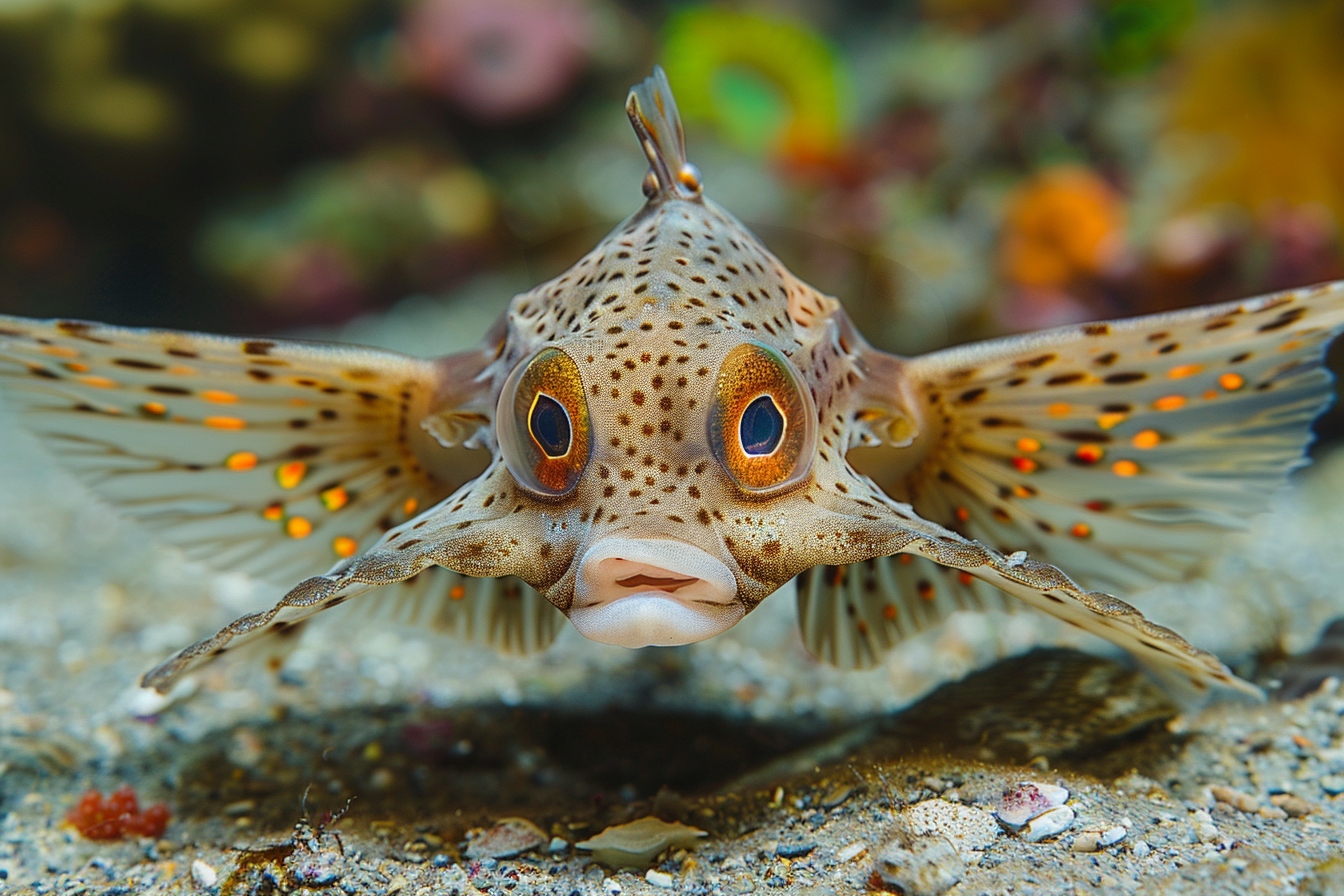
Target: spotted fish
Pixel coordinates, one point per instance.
(656, 440)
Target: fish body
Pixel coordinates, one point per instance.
(658, 439)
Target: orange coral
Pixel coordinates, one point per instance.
(1062, 225)
(117, 816)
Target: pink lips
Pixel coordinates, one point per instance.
(640, 592)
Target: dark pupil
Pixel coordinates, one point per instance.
(550, 426)
(761, 428)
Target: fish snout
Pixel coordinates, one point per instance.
(644, 592)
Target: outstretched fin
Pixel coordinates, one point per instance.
(1121, 451)
(254, 455)
(505, 613)
(851, 616)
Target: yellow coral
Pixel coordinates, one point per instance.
(1264, 91)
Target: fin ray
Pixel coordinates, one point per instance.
(1123, 451)
(262, 456)
(851, 616)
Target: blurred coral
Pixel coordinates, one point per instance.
(34, 236)
(1063, 225)
(1261, 92)
(971, 14)
(1135, 35)
(341, 230)
(773, 86)
(498, 59)
(324, 157)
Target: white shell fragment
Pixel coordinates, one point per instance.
(637, 843)
(1112, 836)
(928, 865)
(1050, 823)
(1092, 841)
(509, 837)
(1026, 800)
(659, 879)
(968, 828)
(203, 875)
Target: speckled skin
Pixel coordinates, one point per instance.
(1040, 443)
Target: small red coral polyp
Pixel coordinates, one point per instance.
(117, 816)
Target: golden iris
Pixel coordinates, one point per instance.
(544, 430)
(762, 423)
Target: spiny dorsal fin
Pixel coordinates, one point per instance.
(653, 113)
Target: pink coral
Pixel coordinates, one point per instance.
(498, 59)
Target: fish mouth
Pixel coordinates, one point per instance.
(645, 592)
(664, 583)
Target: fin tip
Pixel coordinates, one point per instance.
(652, 110)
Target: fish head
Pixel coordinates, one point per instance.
(660, 423)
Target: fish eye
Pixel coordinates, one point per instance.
(761, 428)
(544, 429)
(549, 426)
(762, 423)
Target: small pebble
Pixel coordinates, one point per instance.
(509, 837)
(919, 866)
(1243, 802)
(1113, 835)
(794, 850)
(1295, 806)
(836, 796)
(1092, 841)
(557, 844)
(1087, 841)
(203, 875)
(1050, 823)
(659, 878)
(1205, 830)
(1274, 813)
(1333, 784)
(852, 851)
(1141, 849)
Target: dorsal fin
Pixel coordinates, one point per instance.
(653, 113)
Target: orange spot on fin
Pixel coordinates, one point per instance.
(1170, 403)
(1125, 468)
(291, 474)
(334, 498)
(241, 461)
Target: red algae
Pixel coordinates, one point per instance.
(117, 816)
